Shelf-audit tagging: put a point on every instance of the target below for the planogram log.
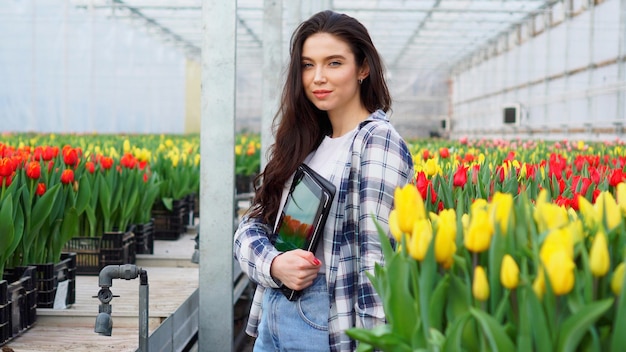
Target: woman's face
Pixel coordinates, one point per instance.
(330, 74)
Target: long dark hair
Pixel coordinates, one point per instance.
(301, 126)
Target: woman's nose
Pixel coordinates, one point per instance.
(320, 77)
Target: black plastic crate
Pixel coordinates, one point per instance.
(4, 295)
(196, 205)
(169, 224)
(144, 238)
(67, 268)
(189, 216)
(87, 250)
(5, 319)
(117, 248)
(23, 310)
(46, 279)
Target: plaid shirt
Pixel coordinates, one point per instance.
(379, 162)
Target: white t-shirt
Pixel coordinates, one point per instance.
(328, 160)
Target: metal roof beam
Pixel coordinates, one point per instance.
(438, 10)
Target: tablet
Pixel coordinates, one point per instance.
(305, 211)
(304, 215)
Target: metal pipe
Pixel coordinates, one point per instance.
(143, 311)
(104, 323)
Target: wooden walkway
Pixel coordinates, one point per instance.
(172, 278)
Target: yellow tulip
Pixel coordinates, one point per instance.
(621, 197)
(409, 206)
(431, 167)
(502, 207)
(480, 285)
(509, 272)
(478, 236)
(421, 236)
(560, 268)
(445, 241)
(590, 215)
(599, 259)
(126, 146)
(549, 216)
(394, 227)
(618, 279)
(557, 240)
(607, 207)
(479, 204)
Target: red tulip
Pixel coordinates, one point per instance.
(128, 161)
(444, 152)
(617, 176)
(6, 167)
(67, 176)
(106, 162)
(584, 184)
(90, 167)
(70, 156)
(425, 154)
(460, 176)
(423, 184)
(33, 170)
(41, 189)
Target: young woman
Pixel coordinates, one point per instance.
(332, 118)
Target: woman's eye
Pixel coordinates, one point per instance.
(335, 63)
(306, 65)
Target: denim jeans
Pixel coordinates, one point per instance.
(300, 325)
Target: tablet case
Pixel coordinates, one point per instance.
(304, 214)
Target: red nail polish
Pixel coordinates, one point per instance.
(316, 261)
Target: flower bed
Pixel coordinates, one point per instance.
(495, 249)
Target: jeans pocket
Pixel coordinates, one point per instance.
(313, 308)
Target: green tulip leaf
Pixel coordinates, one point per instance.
(380, 337)
(493, 331)
(400, 304)
(385, 243)
(618, 337)
(454, 335)
(84, 194)
(537, 319)
(7, 229)
(574, 327)
(43, 207)
(438, 303)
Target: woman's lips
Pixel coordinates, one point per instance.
(321, 94)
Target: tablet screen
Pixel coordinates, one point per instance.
(300, 214)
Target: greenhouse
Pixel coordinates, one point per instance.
(147, 147)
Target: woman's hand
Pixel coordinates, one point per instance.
(296, 269)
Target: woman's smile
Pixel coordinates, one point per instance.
(321, 93)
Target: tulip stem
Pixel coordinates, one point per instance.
(514, 305)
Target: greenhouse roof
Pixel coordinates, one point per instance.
(415, 37)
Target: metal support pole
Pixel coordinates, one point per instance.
(621, 70)
(272, 58)
(144, 300)
(217, 179)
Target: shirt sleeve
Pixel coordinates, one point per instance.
(254, 251)
(386, 163)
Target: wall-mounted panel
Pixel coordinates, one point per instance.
(578, 45)
(606, 31)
